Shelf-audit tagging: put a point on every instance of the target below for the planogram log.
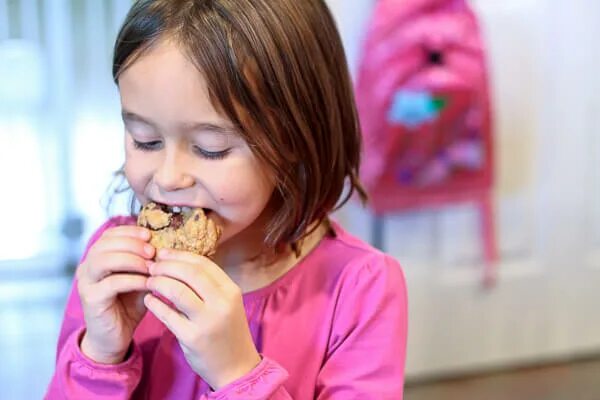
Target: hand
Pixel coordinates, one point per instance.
(111, 284)
(208, 318)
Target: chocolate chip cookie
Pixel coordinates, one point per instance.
(180, 228)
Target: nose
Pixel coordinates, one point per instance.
(172, 175)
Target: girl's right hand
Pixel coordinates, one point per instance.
(111, 285)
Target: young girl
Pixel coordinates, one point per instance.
(243, 108)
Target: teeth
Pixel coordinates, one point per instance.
(179, 209)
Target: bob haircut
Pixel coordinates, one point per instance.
(277, 70)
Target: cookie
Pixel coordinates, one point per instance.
(189, 229)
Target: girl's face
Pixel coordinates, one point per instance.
(180, 151)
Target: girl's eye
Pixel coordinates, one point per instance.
(211, 155)
(147, 146)
(157, 145)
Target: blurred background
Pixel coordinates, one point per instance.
(533, 334)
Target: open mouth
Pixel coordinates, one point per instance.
(183, 210)
(157, 216)
(178, 209)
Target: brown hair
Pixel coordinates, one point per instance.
(277, 70)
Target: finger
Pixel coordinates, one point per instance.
(176, 322)
(125, 244)
(100, 267)
(208, 266)
(132, 231)
(106, 290)
(178, 293)
(192, 275)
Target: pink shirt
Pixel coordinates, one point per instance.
(333, 327)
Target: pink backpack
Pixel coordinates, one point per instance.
(424, 103)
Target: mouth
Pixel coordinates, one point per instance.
(179, 208)
(158, 216)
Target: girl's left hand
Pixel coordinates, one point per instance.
(209, 319)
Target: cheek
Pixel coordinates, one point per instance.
(137, 171)
(240, 192)
(247, 188)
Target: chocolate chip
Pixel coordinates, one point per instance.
(176, 221)
(196, 217)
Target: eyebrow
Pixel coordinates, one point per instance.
(187, 127)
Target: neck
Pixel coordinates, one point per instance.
(248, 263)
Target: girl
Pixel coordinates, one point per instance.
(243, 108)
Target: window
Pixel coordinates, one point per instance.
(60, 129)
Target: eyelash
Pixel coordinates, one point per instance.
(154, 145)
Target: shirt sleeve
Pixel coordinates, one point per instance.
(76, 376)
(264, 382)
(367, 351)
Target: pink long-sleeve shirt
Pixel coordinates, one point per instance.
(333, 327)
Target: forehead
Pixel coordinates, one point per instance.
(164, 84)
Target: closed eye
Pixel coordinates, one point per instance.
(211, 155)
(155, 145)
(147, 146)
